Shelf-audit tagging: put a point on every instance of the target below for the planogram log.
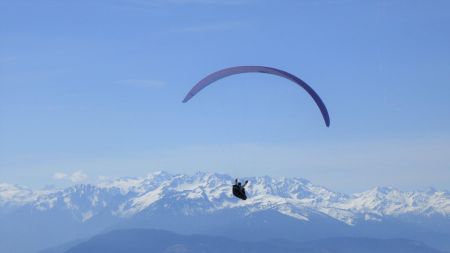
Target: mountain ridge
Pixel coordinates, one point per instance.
(285, 208)
(149, 240)
(125, 197)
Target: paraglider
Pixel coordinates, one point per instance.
(239, 190)
(259, 69)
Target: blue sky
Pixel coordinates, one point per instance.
(95, 88)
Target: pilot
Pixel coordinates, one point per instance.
(239, 190)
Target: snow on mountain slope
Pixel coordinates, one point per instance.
(390, 201)
(211, 192)
(15, 195)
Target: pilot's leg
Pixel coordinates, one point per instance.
(244, 196)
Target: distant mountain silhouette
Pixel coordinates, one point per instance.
(158, 241)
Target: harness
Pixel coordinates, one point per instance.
(239, 192)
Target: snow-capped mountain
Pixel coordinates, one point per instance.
(203, 203)
(209, 192)
(15, 195)
(387, 201)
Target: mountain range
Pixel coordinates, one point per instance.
(283, 208)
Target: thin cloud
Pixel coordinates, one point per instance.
(76, 177)
(225, 26)
(143, 83)
(155, 6)
(59, 176)
(103, 178)
(209, 2)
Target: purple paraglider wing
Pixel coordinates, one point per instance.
(259, 69)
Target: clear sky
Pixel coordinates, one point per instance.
(93, 89)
